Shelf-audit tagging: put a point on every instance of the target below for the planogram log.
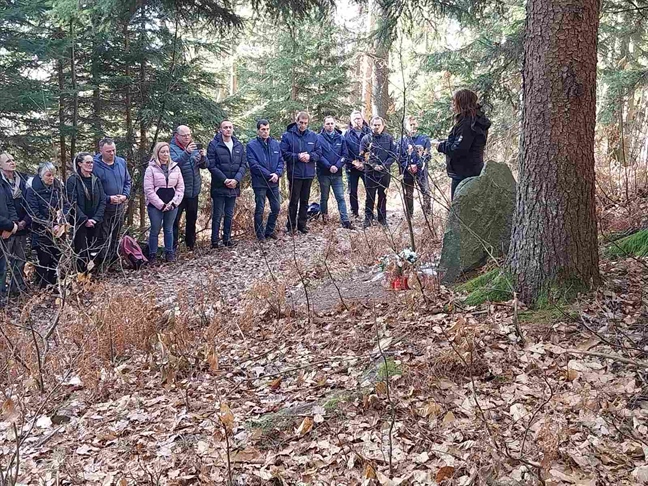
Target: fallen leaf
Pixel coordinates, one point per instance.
(381, 388)
(9, 412)
(275, 384)
(44, 422)
(369, 472)
(212, 359)
(444, 473)
(226, 417)
(449, 417)
(305, 426)
(431, 409)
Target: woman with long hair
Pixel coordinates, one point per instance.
(47, 207)
(87, 201)
(464, 147)
(163, 189)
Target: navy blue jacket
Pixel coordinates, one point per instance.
(190, 165)
(76, 197)
(332, 152)
(8, 214)
(381, 150)
(352, 145)
(464, 148)
(224, 164)
(264, 160)
(115, 178)
(44, 202)
(294, 142)
(20, 203)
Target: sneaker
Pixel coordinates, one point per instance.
(261, 238)
(347, 225)
(170, 257)
(325, 218)
(367, 223)
(152, 259)
(383, 224)
(303, 231)
(272, 236)
(216, 244)
(229, 243)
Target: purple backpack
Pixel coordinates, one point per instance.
(131, 252)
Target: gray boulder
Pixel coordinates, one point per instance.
(479, 221)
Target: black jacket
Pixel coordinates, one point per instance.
(7, 211)
(76, 196)
(464, 148)
(224, 164)
(20, 202)
(378, 150)
(44, 202)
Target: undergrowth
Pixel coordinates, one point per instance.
(633, 245)
(492, 286)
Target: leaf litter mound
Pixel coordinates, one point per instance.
(216, 361)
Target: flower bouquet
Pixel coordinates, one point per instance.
(397, 268)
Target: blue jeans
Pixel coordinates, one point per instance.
(333, 181)
(260, 195)
(158, 220)
(222, 206)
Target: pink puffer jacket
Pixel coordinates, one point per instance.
(154, 179)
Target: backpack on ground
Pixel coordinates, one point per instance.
(313, 211)
(131, 252)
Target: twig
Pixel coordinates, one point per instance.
(614, 357)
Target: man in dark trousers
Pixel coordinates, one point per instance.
(185, 153)
(8, 228)
(329, 170)
(227, 164)
(116, 181)
(358, 128)
(301, 152)
(378, 151)
(414, 159)
(266, 168)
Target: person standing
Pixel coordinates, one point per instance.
(414, 160)
(358, 128)
(191, 159)
(112, 171)
(8, 228)
(300, 150)
(15, 185)
(266, 168)
(47, 208)
(227, 164)
(379, 152)
(329, 170)
(164, 190)
(464, 148)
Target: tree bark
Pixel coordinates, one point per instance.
(554, 239)
(75, 96)
(380, 100)
(60, 68)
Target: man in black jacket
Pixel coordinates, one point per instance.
(227, 164)
(378, 151)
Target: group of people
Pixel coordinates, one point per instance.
(88, 210)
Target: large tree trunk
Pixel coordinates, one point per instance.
(61, 114)
(75, 96)
(554, 239)
(380, 100)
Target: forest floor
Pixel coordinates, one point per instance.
(214, 367)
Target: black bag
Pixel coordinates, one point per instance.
(166, 194)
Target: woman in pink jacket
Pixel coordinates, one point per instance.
(163, 188)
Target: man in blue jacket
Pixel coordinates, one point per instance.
(301, 151)
(185, 153)
(266, 168)
(112, 171)
(358, 128)
(379, 152)
(414, 160)
(227, 164)
(329, 170)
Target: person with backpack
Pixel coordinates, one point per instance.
(464, 148)
(227, 164)
(163, 190)
(14, 184)
(266, 168)
(329, 170)
(47, 208)
(87, 201)
(378, 151)
(301, 151)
